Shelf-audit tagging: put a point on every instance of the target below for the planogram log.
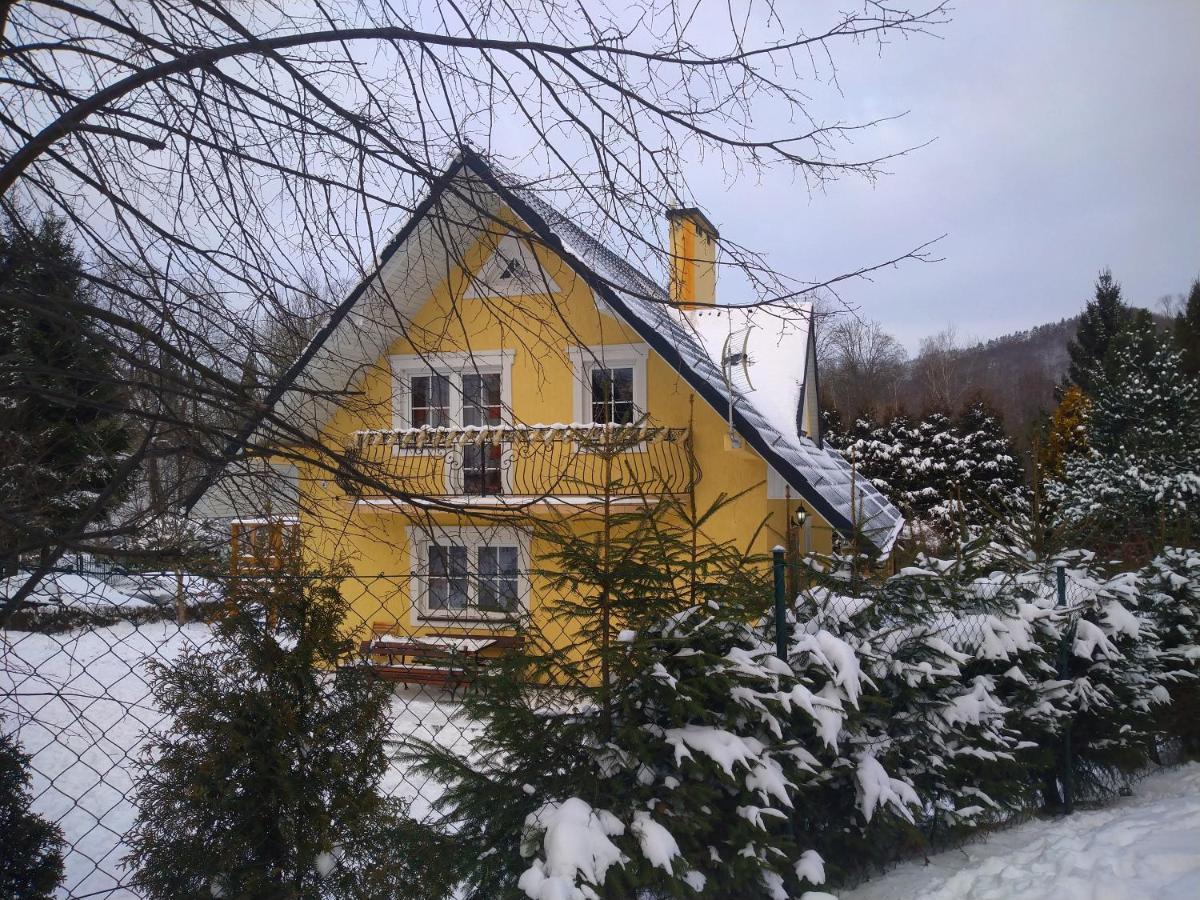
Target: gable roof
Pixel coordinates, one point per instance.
(817, 473)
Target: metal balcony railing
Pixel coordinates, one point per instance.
(495, 463)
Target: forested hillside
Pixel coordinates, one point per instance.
(866, 372)
(1016, 374)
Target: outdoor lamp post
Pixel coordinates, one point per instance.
(800, 582)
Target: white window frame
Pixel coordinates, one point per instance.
(471, 537)
(611, 356)
(485, 362)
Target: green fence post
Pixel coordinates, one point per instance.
(1064, 664)
(781, 632)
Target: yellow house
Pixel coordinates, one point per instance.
(504, 364)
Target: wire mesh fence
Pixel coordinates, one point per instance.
(76, 678)
(76, 672)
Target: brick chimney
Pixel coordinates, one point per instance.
(693, 258)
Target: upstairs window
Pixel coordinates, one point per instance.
(430, 400)
(610, 383)
(612, 395)
(450, 390)
(457, 390)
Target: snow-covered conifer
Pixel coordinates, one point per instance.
(666, 761)
(1138, 487)
(1170, 590)
(936, 710)
(988, 476)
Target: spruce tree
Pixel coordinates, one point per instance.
(1103, 319)
(266, 781)
(641, 744)
(1136, 490)
(988, 478)
(31, 860)
(1098, 658)
(1170, 590)
(1187, 333)
(831, 424)
(874, 454)
(938, 451)
(928, 455)
(942, 654)
(1117, 678)
(62, 432)
(944, 475)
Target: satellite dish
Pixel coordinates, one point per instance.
(735, 361)
(735, 369)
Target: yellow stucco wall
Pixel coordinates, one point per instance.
(373, 542)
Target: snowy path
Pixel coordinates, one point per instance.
(1144, 847)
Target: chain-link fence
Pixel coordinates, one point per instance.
(76, 683)
(76, 679)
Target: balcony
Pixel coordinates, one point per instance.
(516, 464)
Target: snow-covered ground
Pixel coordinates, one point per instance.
(1144, 847)
(80, 704)
(67, 590)
(126, 592)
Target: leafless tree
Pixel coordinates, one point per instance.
(221, 164)
(862, 367)
(1170, 305)
(937, 372)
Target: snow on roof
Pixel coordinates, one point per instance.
(776, 344)
(818, 473)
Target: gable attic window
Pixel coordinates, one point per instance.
(512, 270)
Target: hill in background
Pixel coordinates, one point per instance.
(1016, 373)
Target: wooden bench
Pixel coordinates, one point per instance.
(443, 659)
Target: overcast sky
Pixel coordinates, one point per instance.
(1067, 138)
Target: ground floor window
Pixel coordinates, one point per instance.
(465, 573)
